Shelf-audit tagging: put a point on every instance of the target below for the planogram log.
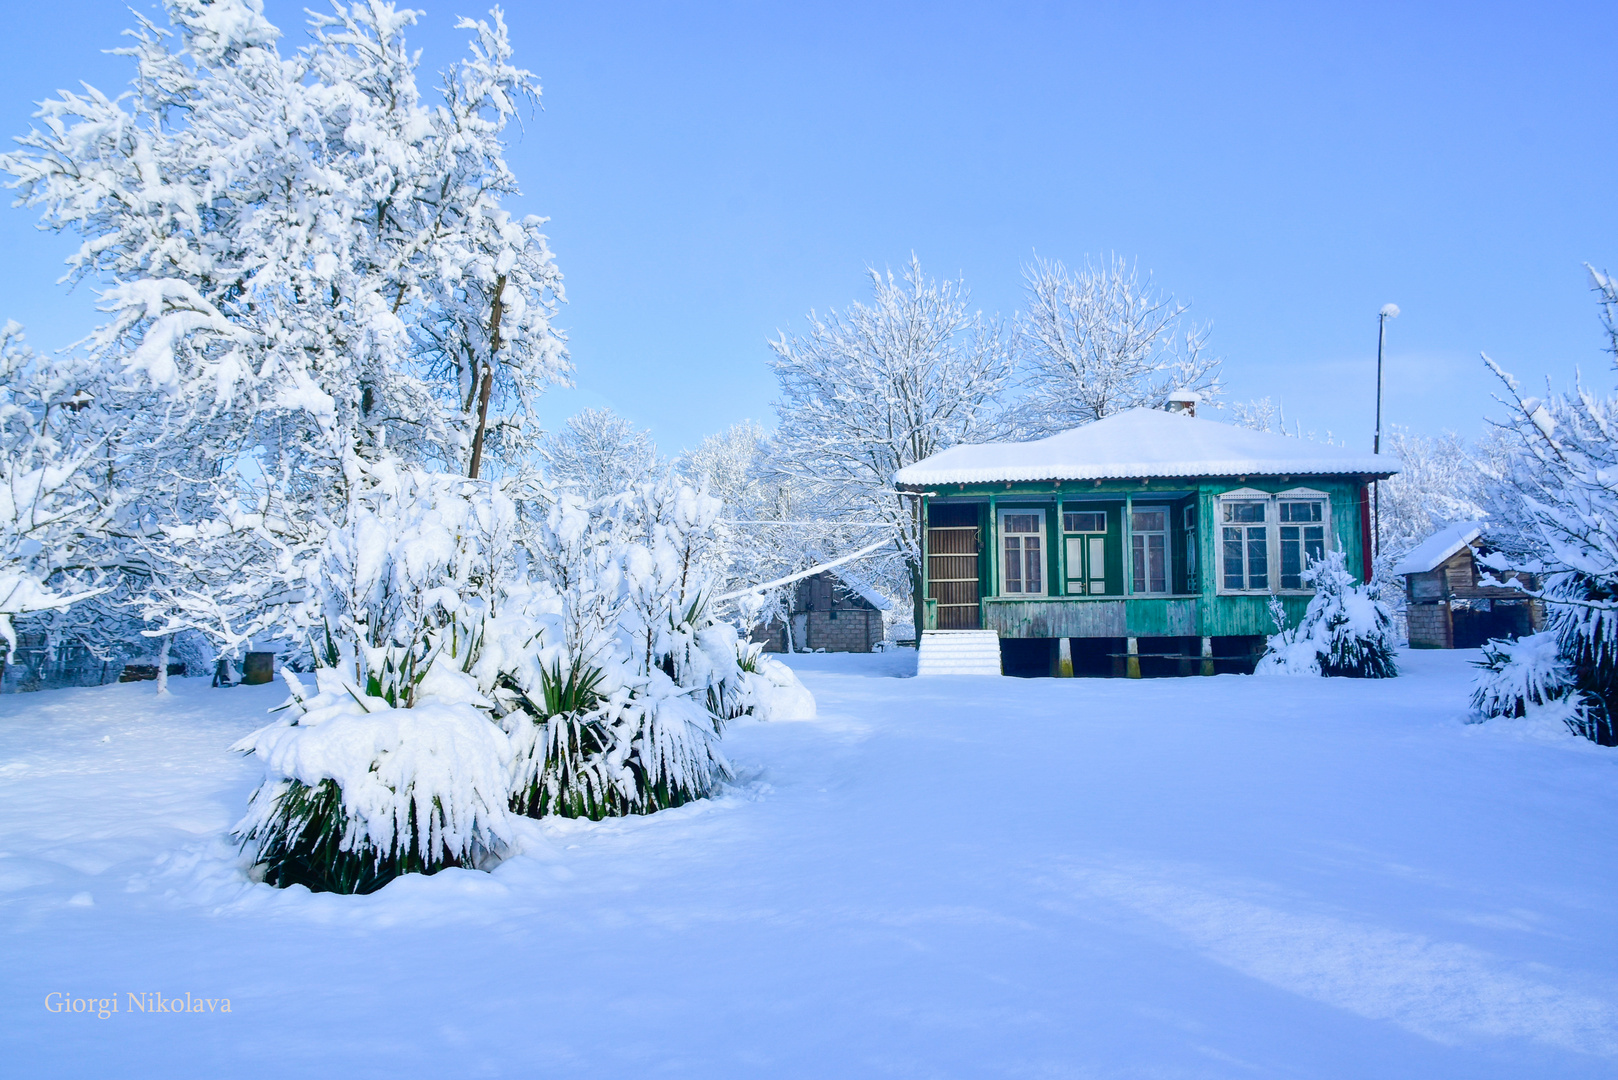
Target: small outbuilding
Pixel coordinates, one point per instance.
(829, 613)
(1446, 604)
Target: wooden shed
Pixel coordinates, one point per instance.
(1447, 607)
(1151, 541)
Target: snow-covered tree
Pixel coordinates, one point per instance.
(1099, 340)
(1555, 512)
(881, 386)
(52, 501)
(1345, 630)
(305, 268)
(600, 453)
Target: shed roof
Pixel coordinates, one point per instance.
(1143, 443)
(1431, 552)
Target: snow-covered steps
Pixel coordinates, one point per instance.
(958, 652)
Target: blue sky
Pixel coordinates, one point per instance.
(714, 172)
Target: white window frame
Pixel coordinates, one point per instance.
(1044, 553)
(1272, 535)
(1302, 494)
(1167, 533)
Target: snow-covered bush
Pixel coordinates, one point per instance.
(621, 678)
(361, 791)
(1519, 676)
(774, 691)
(1345, 630)
(395, 765)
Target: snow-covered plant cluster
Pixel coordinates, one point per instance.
(1554, 505)
(308, 418)
(1522, 677)
(1345, 630)
(484, 650)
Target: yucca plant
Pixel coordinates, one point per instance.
(302, 843)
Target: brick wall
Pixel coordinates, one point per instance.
(852, 630)
(1429, 626)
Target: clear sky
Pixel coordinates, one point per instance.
(714, 171)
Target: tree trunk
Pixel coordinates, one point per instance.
(163, 665)
(496, 310)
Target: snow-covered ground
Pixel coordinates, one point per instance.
(944, 877)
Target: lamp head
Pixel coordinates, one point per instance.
(1389, 311)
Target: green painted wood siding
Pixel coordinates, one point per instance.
(1212, 614)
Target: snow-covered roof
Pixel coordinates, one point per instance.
(1144, 443)
(1431, 552)
(861, 589)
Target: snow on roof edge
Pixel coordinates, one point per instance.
(1142, 443)
(1426, 556)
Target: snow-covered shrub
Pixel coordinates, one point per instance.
(1520, 675)
(616, 700)
(1344, 631)
(774, 691)
(361, 791)
(395, 766)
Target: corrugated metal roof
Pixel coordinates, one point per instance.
(1143, 443)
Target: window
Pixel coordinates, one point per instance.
(1085, 521)
(1149, 548)
(1086, 553)
(1245, 546)
(1189, 535)
(1023, 544)
(1303, 539)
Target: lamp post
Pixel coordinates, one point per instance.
(1389, 311)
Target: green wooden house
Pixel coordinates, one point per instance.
(1148, 542)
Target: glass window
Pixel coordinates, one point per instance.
(1149, 549)
(1085, 521)
(1303, 540)
(1244, 544)
(1023, 565)
(1190, 540)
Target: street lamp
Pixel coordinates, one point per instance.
(1389, 311)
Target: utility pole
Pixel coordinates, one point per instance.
(1389, 311)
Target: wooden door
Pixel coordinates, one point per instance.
(952, 575)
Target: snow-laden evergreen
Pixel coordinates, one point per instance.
(1555, 511)
(1345, 630)
(1521, 677)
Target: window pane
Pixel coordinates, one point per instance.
(1244, 511)
(1258, 559)
(1022, 523)
(1314, 543)
(1291, 558)
(1013, 565)
(1033, 566)
(1157, 568)
(1148, 521)
(1233, 558)
(1300, 511)
(1085, 521)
